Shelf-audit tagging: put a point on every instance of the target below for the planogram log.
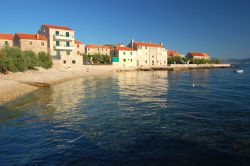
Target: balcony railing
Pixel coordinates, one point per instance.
(61, 37)
(64, 47)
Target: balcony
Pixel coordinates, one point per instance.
(61, 37)
(64, 47)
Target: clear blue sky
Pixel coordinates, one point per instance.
(218, 27)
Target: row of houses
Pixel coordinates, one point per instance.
(191, 55)
(60, 43)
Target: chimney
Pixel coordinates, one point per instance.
(132, 43)
(161, 44)
(37, 36)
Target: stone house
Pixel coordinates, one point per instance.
(6, 40)
(35, 42)
(150, 54)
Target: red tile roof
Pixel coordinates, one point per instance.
(78, 42)
(197, 54)
(147, 44)
(98, 46)
(122, 48)
(56, 27)
(6, 36)
(172, 53)
(31, 36)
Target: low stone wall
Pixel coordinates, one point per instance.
(199, 65)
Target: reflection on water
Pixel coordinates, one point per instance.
(140, 118)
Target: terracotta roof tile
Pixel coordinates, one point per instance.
(56, 27)
(148, 44)
(6, 36)
(78, 42)
(197, 54)
(172, 53)
(31, 36)
(98, 46)
(122, 48)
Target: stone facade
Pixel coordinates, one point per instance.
(79, 48)
(150, 54)
(6, 40)
(98, 49)
(34, 42)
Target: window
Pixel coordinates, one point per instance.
(42, 43)
(146, 47)
(67, 34)
(98, 49)
(78, 52)
(57, 43)
(131, 60)
(146, 61)
(67, 44)
(30, 42)
(131, 53)
(78, 46)
(57, 33)
(124, 53)
(124, 60)
(68, 52)
(73, 62)
(6, 43)
(64, 61)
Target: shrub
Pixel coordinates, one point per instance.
(13, 59)
(30, 59)
(45, 60)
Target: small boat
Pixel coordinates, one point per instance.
(239, 71)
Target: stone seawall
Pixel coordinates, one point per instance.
(187, 67)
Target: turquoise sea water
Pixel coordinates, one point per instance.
(132, 118)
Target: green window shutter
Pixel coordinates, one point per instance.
(67, 44)
(57, 33)
(124, 60)
(124, 53)
(68, 52)
(131, 53)
(67, 34)
(6, 43)
(57, 43)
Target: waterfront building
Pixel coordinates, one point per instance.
(98, 49)
(6, 40)
(61, 45)
(123, 56)
(198, 55)
(149, 54)
(79, 47)
(172, 53)
(34, 42)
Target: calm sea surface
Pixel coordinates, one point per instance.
(132, 118)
